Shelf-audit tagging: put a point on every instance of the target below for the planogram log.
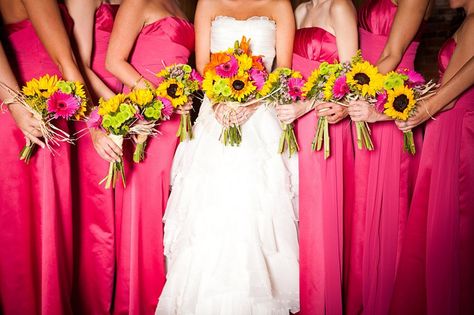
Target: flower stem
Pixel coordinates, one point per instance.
(27, 152)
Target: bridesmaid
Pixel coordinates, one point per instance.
(436, 274)
(384, 177)
(94, 205)
(36, 215)
(147, 35)
(327, 31)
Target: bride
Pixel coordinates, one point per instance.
(231, 221)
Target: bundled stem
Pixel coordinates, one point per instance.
(288, 140)
(185, 130)
(322, 137)
(363, 136)
(409, 142)
(231, 135)
(139, 153)
(115, 168)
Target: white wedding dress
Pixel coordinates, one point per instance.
(231, 222)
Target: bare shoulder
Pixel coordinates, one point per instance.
(465, 32)
(342, 8)
(280, 9)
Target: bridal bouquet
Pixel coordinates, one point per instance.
(48, 98)
(150, 110)
(402, 90)
(284, 86)
(234, 77)
(364, 82)
(116, 116)
(179, 82)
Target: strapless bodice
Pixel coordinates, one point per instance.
(316, 44)
(261, 31)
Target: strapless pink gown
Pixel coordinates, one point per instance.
(384, 181)
(35, 201)
(436, 273)
(141, 263)
(93, 205)
(326, 189)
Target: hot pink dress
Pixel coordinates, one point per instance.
(436, 273)
(93, 204)
(384, 181)
(141, 263)
(326, 189)
(35, 201)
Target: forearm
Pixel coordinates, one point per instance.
(389, 61)
(124, 71)
(99, 87)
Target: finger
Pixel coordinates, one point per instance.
(111, 153)
(327, 113)
(323, 106)
(114, 147)
(104, 155)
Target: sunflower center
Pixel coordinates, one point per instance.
(362, 78)
(43, 90)
(172, 89)
(238, 85)
(400, 103)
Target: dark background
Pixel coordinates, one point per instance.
(442, 23)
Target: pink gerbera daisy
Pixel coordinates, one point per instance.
(414, 78)
(63, 105)
(258, 77)
(94, 119)
(167, 107)
(196, 76)
(340, 88)
(381, 100)
(228, 69)
(295, 85)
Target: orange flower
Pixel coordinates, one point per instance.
(216, 59)
(258, 63)
(245, 45)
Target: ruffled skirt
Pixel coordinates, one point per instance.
(231, 224)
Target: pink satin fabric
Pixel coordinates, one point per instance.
(141, 263)
(436, 274)
(326, 189)
(94, 221)
(384, 180)
(35, 201)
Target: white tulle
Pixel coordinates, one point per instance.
(231, 221)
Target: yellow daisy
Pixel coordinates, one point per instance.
(141, 97)
(365, 78)
(400, 103)
(44, 86)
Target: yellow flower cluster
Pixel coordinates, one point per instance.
(42, 87)
(112, 104)
(310, 83)
(141, 97)
(365, 78)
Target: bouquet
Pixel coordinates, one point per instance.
(319, 88)
(179, 82)
(284, 86)
(47, 99)
(150, 110)
(402, 90)
(234, 77)
(364, 82)
(116, 116)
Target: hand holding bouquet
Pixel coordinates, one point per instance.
(150, 110)
(402, 90)
(179, 82)
(234, 77)
(284, 86)
(47, 99)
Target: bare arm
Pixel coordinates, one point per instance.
(285, 34)
(24, 120)
(409, 16)
(128, 24)
(202, 25)
(83, 14)
(344, 23)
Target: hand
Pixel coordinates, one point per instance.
(227, 116)
(419, 116)
(105, 147)
(290, 112)
(186, 108)
(29, 125)
(333, 112)
(363, 111)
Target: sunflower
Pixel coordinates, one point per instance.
(111, 105)
(365, 78)
(141, 97)
(174, 91)
(400, 103)
(208, 84)
(310, 84)
(241, 87)
(328, 87)
(45, 86)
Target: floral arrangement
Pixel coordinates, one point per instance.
(284, 86)
(49, 98)
(116, 116)
(234, 77)
(150, 110)
(402, 89)
(178, 83)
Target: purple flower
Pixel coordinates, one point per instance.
(94, 120)
(258, 77)
(340, 88)
(295, 85)
(228, 69)
(381, 100)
